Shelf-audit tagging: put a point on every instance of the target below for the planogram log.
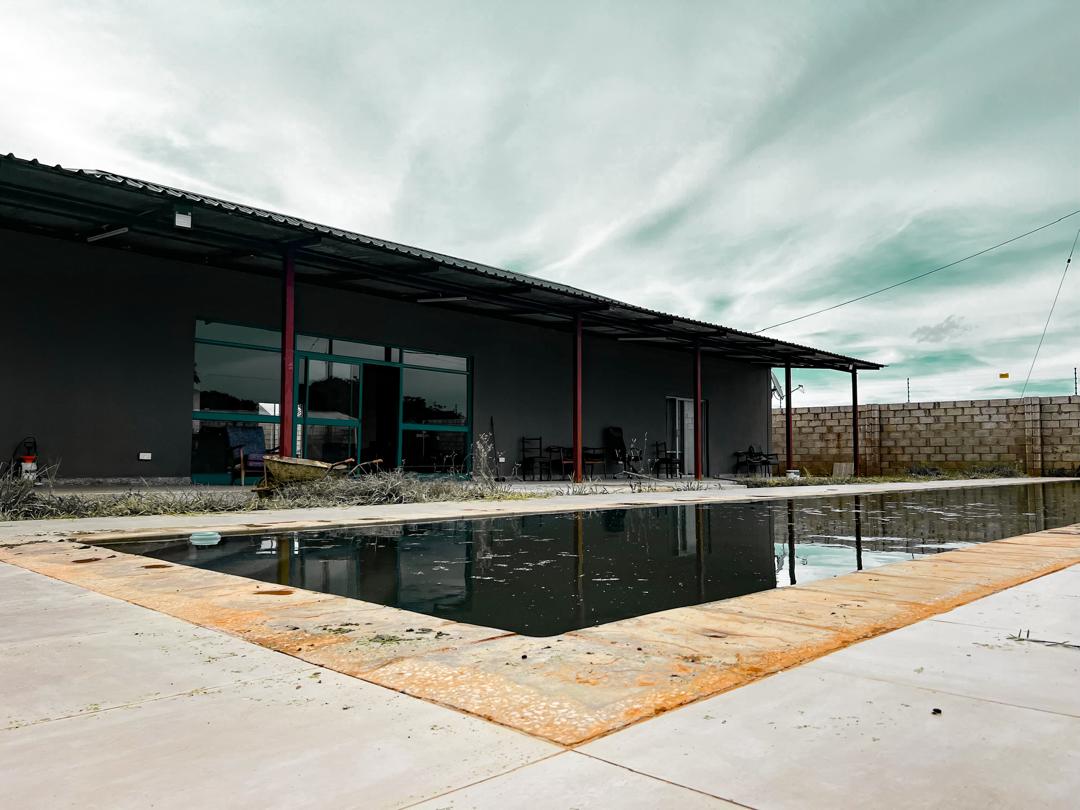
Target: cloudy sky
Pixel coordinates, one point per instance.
(742, 163)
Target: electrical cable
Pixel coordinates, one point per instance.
(921, 275)
(1046, 325)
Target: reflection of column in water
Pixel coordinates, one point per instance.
(699, 525)
(1035, 495)
(858, 533)
(579, 550)
(284, 559)
(791, 539)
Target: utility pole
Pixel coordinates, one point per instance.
(1074, 381)
(909, 389)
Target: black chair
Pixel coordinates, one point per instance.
(665, 462)
(560, 459)
(593, 457)
(533, 460)
(628, 459)
(752, 459)
(766, 460)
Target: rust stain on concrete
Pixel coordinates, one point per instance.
(579, 685)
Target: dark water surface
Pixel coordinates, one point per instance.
(545, 574)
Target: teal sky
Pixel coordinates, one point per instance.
(741, 163)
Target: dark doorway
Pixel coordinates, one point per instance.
(379, 414)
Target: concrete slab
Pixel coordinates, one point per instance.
(19, 587)
(973, 661)
(363, 635)
(311, 739)
(568, 688)
(812, 738)
(1048, 607)
(571, 780)
(83, 652)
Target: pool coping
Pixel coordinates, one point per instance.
(576, 686)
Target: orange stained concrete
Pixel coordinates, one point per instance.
(576, 686)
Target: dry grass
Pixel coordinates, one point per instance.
(918, 475)
(20, 500)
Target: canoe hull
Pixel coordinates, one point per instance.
(285, 470)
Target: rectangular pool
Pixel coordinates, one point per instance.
(545, 574)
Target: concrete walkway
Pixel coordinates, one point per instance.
(14, 532)
(112, 705)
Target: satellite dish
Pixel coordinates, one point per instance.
(777, 389)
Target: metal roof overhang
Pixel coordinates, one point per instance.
(77, 204)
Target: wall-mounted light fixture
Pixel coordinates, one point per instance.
(442, 299)
(97, 237)
(182, 216)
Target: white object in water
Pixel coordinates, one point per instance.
(205, 539)
(793, 474)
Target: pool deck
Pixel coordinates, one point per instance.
(130, 682)
(112, 705)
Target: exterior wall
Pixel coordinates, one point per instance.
(1040, 435)
(98, 349)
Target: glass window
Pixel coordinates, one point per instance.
(436, 360)
(346, 348)
(433, 451)
(231, 333)
(330, 443)
(217, 449)
(236, 380)
(331, 390)
(434, 397)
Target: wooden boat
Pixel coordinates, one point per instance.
(282, 470)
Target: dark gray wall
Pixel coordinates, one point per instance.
(98, 347)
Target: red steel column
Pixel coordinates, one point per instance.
(855, 419)
(699, 444)
(288, 345)
(789, 459)
(579, 466)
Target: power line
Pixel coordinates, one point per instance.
(1061, 283)
(921, 275)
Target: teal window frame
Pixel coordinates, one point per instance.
(302, 419)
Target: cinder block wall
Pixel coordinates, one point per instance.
(1040, 435)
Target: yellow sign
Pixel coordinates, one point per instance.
(1004, 375)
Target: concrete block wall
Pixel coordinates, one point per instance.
(1040, 435)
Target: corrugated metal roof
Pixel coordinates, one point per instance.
(33, 193)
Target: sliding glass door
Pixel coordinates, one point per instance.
(328, 397)
(680, 432)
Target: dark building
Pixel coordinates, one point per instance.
(149, 330)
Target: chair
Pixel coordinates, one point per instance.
(561, 459)
(616, 451)
(752, 459)
(665, 462)
(592, 457)
(766, 460)
(533, 460)
(248, 447)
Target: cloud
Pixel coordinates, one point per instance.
(735, 162)
(951, 327)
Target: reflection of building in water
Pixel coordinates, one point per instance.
(836, 535)
(918, 521)
(546, 574)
